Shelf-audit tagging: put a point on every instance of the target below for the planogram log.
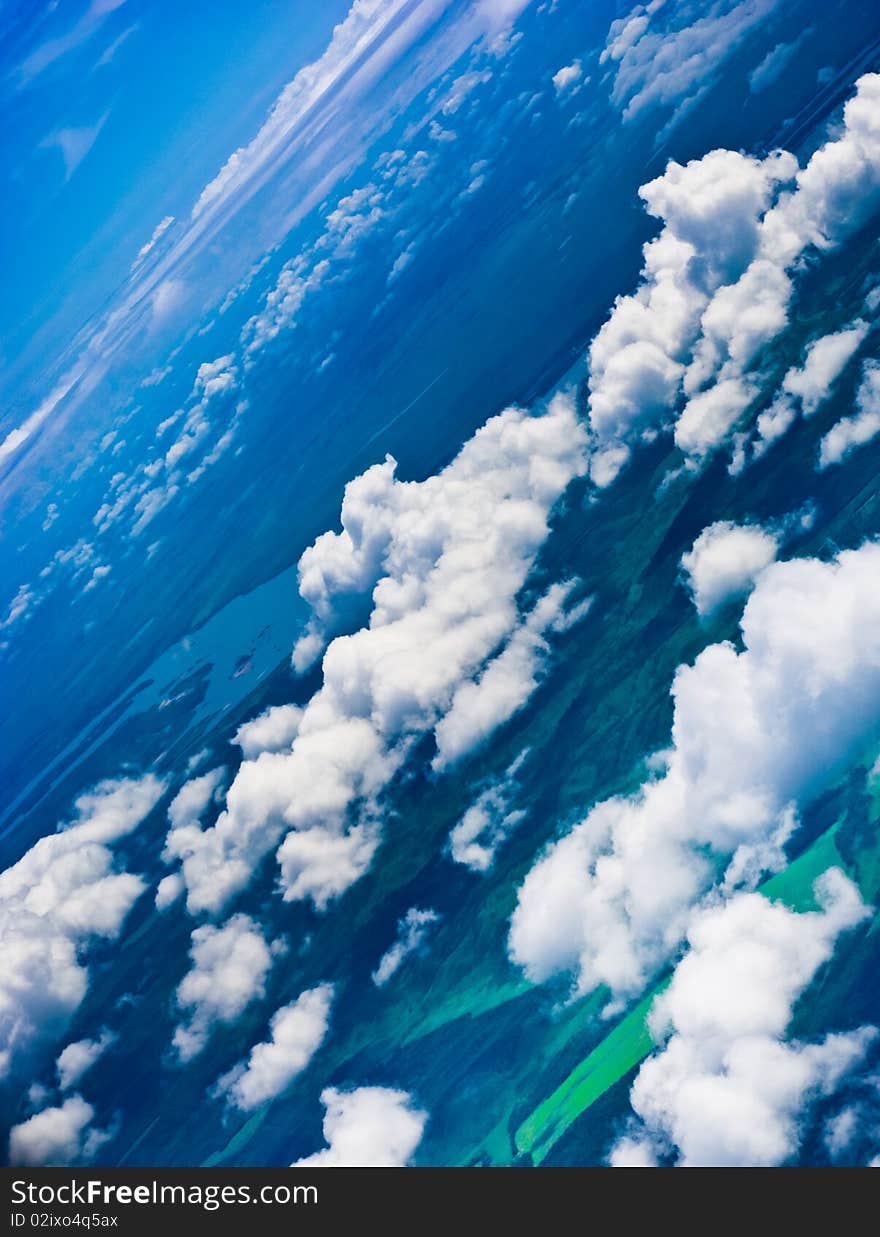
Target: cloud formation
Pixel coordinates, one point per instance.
(753, 733)
(856, 431)
(726, 1089)
(716, 286)
(412, 932)
(79, 1057)
(369, 1127)
(65, 892)
(487, 822)
(297, 1031)
(669, 56)
(57, 1136)
(272, 731)
(725, 561)
(444, 560)
(228, 971)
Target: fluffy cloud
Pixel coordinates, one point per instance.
(567, 77)
(229, 969)
(64, 892)
(826, 359)
(711, 210)
(753, 732)
(487, 822)
(272, 731)
(852, 432)
(281, 310)
(725, 1089)
(297, 1032)
(58, 1136)
(369, 1127)
(79, 1057)
(480, 706)
(724, 562)
(412, 932)
(191, 801)
(716, 286)
(445, 560)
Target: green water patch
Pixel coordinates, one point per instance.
(630, 1041)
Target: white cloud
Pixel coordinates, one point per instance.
(487, 822)
(771, 68)
(295, 281)
(716, 287)
(57, 1136)
(412, 932)
(158, 232)
(674, 63)
(191, 801)
(851, 432)
(65, 891)
(169, 890)
(360, 46)
(297, 1032)
(726, 1089)
(711, 209)
(54, 48)
(369, 1127)
(75, 143)
(826, 359)
(214, 379)
(272, 731)
(724, 562)
(445, 559)
(832, 197)
(79, 1057)
(480, 706)
(567, 77)
(753, 732)
(229, 969)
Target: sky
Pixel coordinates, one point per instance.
(568, 285)
(94, 156)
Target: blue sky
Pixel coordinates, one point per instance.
(118, 112)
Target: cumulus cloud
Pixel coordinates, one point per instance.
(480, 706)
(443, 560)
(191, 801)
(412, 932)
(62, 894)
(711, 210)
(826, 359)
(272, 731)
(297, 1032)
(724, 562)
(487, 822)
(716, 286)
(57, 1136)
(851, 432)
(155, 483)
(228, 971)
(369, 1127)
(753, 733)
(295, 281)
(79, 1057)
(726, 1089)
(568, 77)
